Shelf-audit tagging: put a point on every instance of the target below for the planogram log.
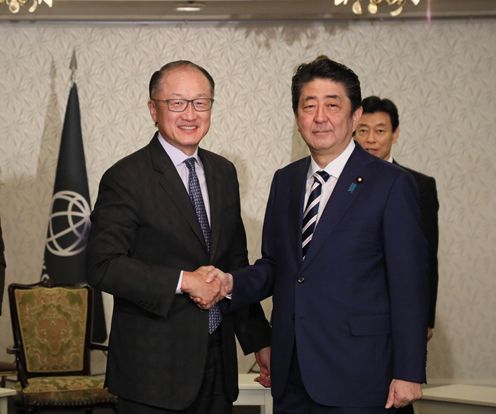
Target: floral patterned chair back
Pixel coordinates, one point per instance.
(52, 328)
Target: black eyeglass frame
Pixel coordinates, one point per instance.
(186, 102)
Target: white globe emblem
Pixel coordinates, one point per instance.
(69, 224)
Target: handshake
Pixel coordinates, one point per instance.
(207, 285)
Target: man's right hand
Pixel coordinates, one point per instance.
(204, 294)
(221, 281)
(226, 279)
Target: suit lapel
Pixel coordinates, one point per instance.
(214, 186)
(173, 186)
(297, 187)
(348, 187)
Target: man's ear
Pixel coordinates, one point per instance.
(396, 135)
(356, 117)
(153, 110)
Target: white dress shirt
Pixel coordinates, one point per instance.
(334, 169)
(178, 157)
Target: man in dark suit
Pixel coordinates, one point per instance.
(377, 131)
(2, 268)
(344, 258)
(161, 213)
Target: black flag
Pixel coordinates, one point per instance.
(69, 221)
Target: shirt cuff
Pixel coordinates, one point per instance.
(179, 284)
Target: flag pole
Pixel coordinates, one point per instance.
(73, 66)
(70, 209)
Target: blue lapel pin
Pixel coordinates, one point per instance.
(359, 180)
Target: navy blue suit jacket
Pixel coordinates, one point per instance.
(356, 307)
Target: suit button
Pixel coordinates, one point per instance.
(301, 279)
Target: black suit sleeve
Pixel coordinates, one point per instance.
(429, 210)
(252, 328)
(429, 207)
(2, 268)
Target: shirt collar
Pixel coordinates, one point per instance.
(175, 154)
(336, 166)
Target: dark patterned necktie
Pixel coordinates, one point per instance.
(194, 190)
(312, 209)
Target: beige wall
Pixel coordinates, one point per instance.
(441, 75)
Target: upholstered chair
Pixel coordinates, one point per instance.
(52, 329)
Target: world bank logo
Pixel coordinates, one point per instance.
(69, 224)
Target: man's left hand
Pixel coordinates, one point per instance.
(402, 393)
(263, 360)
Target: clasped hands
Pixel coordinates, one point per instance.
(207, 285)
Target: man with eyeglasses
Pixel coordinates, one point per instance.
(165, 215)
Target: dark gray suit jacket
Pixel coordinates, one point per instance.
(144, 232)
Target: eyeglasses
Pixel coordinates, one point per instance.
(180, 105)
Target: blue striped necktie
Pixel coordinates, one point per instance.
(194, 190)
(312, 209)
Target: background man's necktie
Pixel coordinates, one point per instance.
(312, 209)
(214, 314)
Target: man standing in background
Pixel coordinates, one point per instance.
(162, 215)
(377, 131)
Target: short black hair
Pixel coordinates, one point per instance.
(324, 68)
(157, 75)
(372, 104)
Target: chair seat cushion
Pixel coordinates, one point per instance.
(65, 391)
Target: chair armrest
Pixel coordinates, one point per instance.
(12, 350)
(7, 367)
(99, 347)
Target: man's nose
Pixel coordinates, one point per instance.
(320, 114)
(189, 112)
(370, 137)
